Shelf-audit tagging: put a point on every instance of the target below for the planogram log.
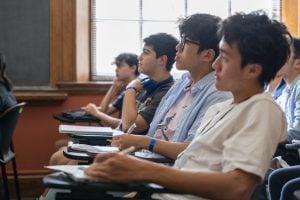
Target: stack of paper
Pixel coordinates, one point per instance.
(85, 130)
(93, 149)
(75, 172)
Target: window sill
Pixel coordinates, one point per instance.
(38, 95)
(48, 95)
(88, 87)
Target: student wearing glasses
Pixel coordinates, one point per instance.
(234, 144)
(180, 111)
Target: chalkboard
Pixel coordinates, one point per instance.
(25, 40)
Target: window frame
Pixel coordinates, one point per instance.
(70, 41)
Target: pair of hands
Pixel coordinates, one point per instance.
(115, 167)
(127, 140)
(137, 84)
(116, 88)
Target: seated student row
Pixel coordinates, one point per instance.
(246, 75)
(182, 108)
(141, 100)
(126, 71)
(234, 144)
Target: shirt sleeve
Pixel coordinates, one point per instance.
(118, 102)
(294, 118)
(151, 103)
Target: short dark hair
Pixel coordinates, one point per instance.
(203, 29)
(130, 58)
(163, 44)
(260, 40)
(296, 45)
(3, 77)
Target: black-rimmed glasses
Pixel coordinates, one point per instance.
(184, 40)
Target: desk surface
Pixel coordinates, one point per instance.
(60, 180)
(82, 156)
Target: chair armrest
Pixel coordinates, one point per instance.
(293, 146)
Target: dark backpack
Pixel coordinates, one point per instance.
(73, 116)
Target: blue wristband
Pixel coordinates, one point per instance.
(151, 145)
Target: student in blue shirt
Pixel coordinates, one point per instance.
(282, 181)
(289, 100)
(181, 110)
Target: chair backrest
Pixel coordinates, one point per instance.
(8, 122)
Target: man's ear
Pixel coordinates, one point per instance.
(208, 55)
(163, 60)
(133, 68)
(297, 64)
(254, 70)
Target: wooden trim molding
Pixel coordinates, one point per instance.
(291, 15)
(38, 95)
(69, 38)
(82, 87)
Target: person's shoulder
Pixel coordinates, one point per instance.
(296, 83)
(264, 100)
(3, 89)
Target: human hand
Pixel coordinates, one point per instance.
(115, 167)
(118, 85)
(126, 140)
(92, 109)
(137, 84)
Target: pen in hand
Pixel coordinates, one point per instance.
(127, 150)
(131, 128)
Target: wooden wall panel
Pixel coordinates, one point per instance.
(290, 15)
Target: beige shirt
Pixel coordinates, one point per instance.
(235, 136)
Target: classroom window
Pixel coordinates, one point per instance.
(120, 25)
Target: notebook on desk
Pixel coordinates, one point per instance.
(85, 130)
(92, 148)
(75, 172)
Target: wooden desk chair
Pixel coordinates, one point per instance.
(8, 122)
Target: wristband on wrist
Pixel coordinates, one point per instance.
(131, 87)
(152, 144)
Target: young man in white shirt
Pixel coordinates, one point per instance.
(234, 144)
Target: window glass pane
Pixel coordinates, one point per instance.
(204, 6)
(162, 9)
(119, 27)
(113, 38)
(117, 9)
(156, 27)
(248, 6)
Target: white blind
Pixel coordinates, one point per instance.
(120, 25)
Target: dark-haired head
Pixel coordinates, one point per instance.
(163, 44)
(3, 77)
(296, 45)
(130, 58)
(201, 28)
(260, 40)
